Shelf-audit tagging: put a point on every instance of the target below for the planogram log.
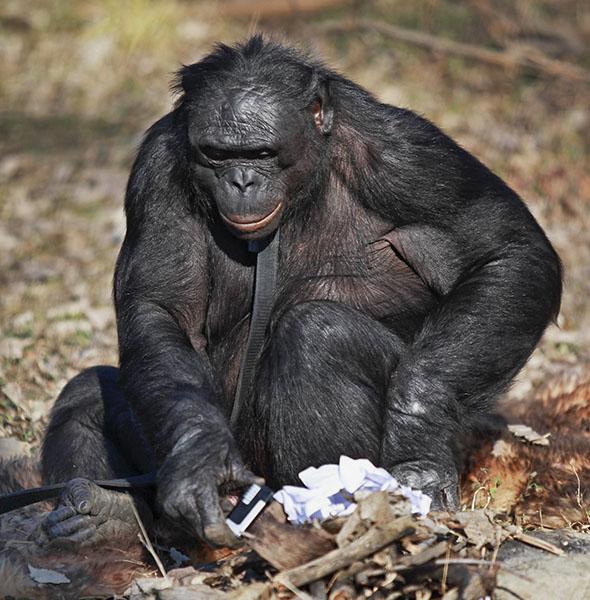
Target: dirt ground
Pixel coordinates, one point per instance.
(80, 82)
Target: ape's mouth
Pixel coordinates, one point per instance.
(244, 225)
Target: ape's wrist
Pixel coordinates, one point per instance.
(201, 446)
(186, 424)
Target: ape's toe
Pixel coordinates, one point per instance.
(440, 482)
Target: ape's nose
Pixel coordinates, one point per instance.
(242, 178)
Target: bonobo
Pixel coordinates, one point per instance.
(412, 286)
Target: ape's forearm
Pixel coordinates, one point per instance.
(487, 327)
(469, 349)
(168, 383)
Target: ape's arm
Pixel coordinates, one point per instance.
(498, 279)
(160, 297)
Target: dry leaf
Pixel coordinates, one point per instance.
(528, 434)
(478, 528)
(502, 449)
(47, 576)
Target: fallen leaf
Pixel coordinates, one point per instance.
(12, 348)
(528, 434)
(47, 575)
(14, 393)
(479, 529)
(502, 449)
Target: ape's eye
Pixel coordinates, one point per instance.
(213, 153)
(265, 153)
(217, 154)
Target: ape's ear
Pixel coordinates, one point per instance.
(323, 112)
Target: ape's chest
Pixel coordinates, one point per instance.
(372, 279)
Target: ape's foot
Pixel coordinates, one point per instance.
(88, 514)
(439, 482)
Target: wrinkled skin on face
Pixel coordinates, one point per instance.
(252, 146)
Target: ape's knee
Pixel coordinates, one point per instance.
(310, 323)
(81, 396)
(318, 327)
(79, 408)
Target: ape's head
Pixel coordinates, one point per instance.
(258, 119)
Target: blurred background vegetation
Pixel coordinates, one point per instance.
(81, 80)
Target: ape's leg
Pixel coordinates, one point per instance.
(92, 434)
(320, 391)
(326, 387)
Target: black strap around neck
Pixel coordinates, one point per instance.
(267, 261)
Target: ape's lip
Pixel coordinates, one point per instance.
(251, 226)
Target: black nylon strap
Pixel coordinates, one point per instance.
(266, 275)
(25, 497)
(267, 263)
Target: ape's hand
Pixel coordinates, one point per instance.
(189, 481)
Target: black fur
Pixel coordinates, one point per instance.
(413, 285)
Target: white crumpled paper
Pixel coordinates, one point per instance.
(328, 490)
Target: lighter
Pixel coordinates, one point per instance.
(250, 505)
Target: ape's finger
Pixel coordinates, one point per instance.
(244, 477)
(81, 494)
(450, 497)
(215, 529)
(219, 534)
(227, 503)
(59, 514)
(189, 513)
(83, 535)
(69, 527)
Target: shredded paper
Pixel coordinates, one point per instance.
(329, 489)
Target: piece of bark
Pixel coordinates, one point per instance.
(283, 545)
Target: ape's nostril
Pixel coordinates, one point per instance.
(242, 178)
(242, 185)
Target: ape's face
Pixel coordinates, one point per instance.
(253, 150)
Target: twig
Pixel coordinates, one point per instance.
(480, 489)
(524, 57)
(295, 590)
(505, 589)
(376, 538)
(145, 540)
(579, 484)
(417, 560)
(537, 543)
(276, 9)
(445, 574)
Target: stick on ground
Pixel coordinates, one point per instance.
(376, 538)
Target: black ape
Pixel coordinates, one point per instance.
(413, 285)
